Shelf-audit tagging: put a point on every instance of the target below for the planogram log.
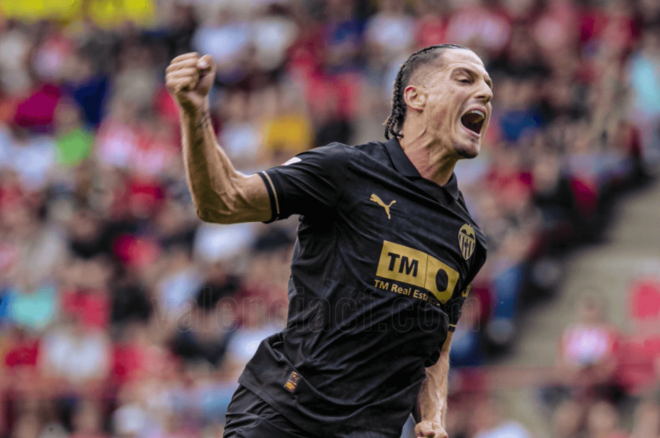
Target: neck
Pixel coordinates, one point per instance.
(432, 159)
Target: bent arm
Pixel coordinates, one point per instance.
(220, 193)
(432, 397)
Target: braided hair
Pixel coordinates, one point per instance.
(394, 122)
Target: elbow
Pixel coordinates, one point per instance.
(214, 216)
(218, 208)
(205, 215)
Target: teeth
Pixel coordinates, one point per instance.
(479, 113)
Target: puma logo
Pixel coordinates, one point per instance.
(377, 200)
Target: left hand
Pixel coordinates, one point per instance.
(430, 429)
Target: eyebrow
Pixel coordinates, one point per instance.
(473, 74)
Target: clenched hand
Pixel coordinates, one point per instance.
(189, 79)
(429, 429)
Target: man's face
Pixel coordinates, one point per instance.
(458, 109)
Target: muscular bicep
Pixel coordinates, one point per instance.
(308, 184)
(256, 205)
(245, 200)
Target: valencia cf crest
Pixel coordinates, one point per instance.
(466, 241)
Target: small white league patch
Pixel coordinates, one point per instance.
(292, 161)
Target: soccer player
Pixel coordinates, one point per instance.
(385, 256)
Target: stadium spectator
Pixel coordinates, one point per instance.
(389, 33)
(76, 356)
(587, 356)
(489, 422)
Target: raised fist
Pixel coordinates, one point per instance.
(189, 79)
(428, 429)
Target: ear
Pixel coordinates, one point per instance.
(415, 97)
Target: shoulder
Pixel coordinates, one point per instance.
(345, 155)
(374, 149)
(326, 159)
(372, 155)
(331, 152)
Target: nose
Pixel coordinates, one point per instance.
(485, 93)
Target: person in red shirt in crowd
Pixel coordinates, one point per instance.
(587, 357)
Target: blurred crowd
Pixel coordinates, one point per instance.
(121, 314)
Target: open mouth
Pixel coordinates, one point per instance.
(474, 120)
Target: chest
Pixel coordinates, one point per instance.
(403, 240)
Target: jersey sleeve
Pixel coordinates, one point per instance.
(311, 183)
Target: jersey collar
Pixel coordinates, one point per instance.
(405, 167)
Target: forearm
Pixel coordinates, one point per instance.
(432, 397)
(210, 174)
(220, 193)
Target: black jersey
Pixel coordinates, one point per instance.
(381, 268)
